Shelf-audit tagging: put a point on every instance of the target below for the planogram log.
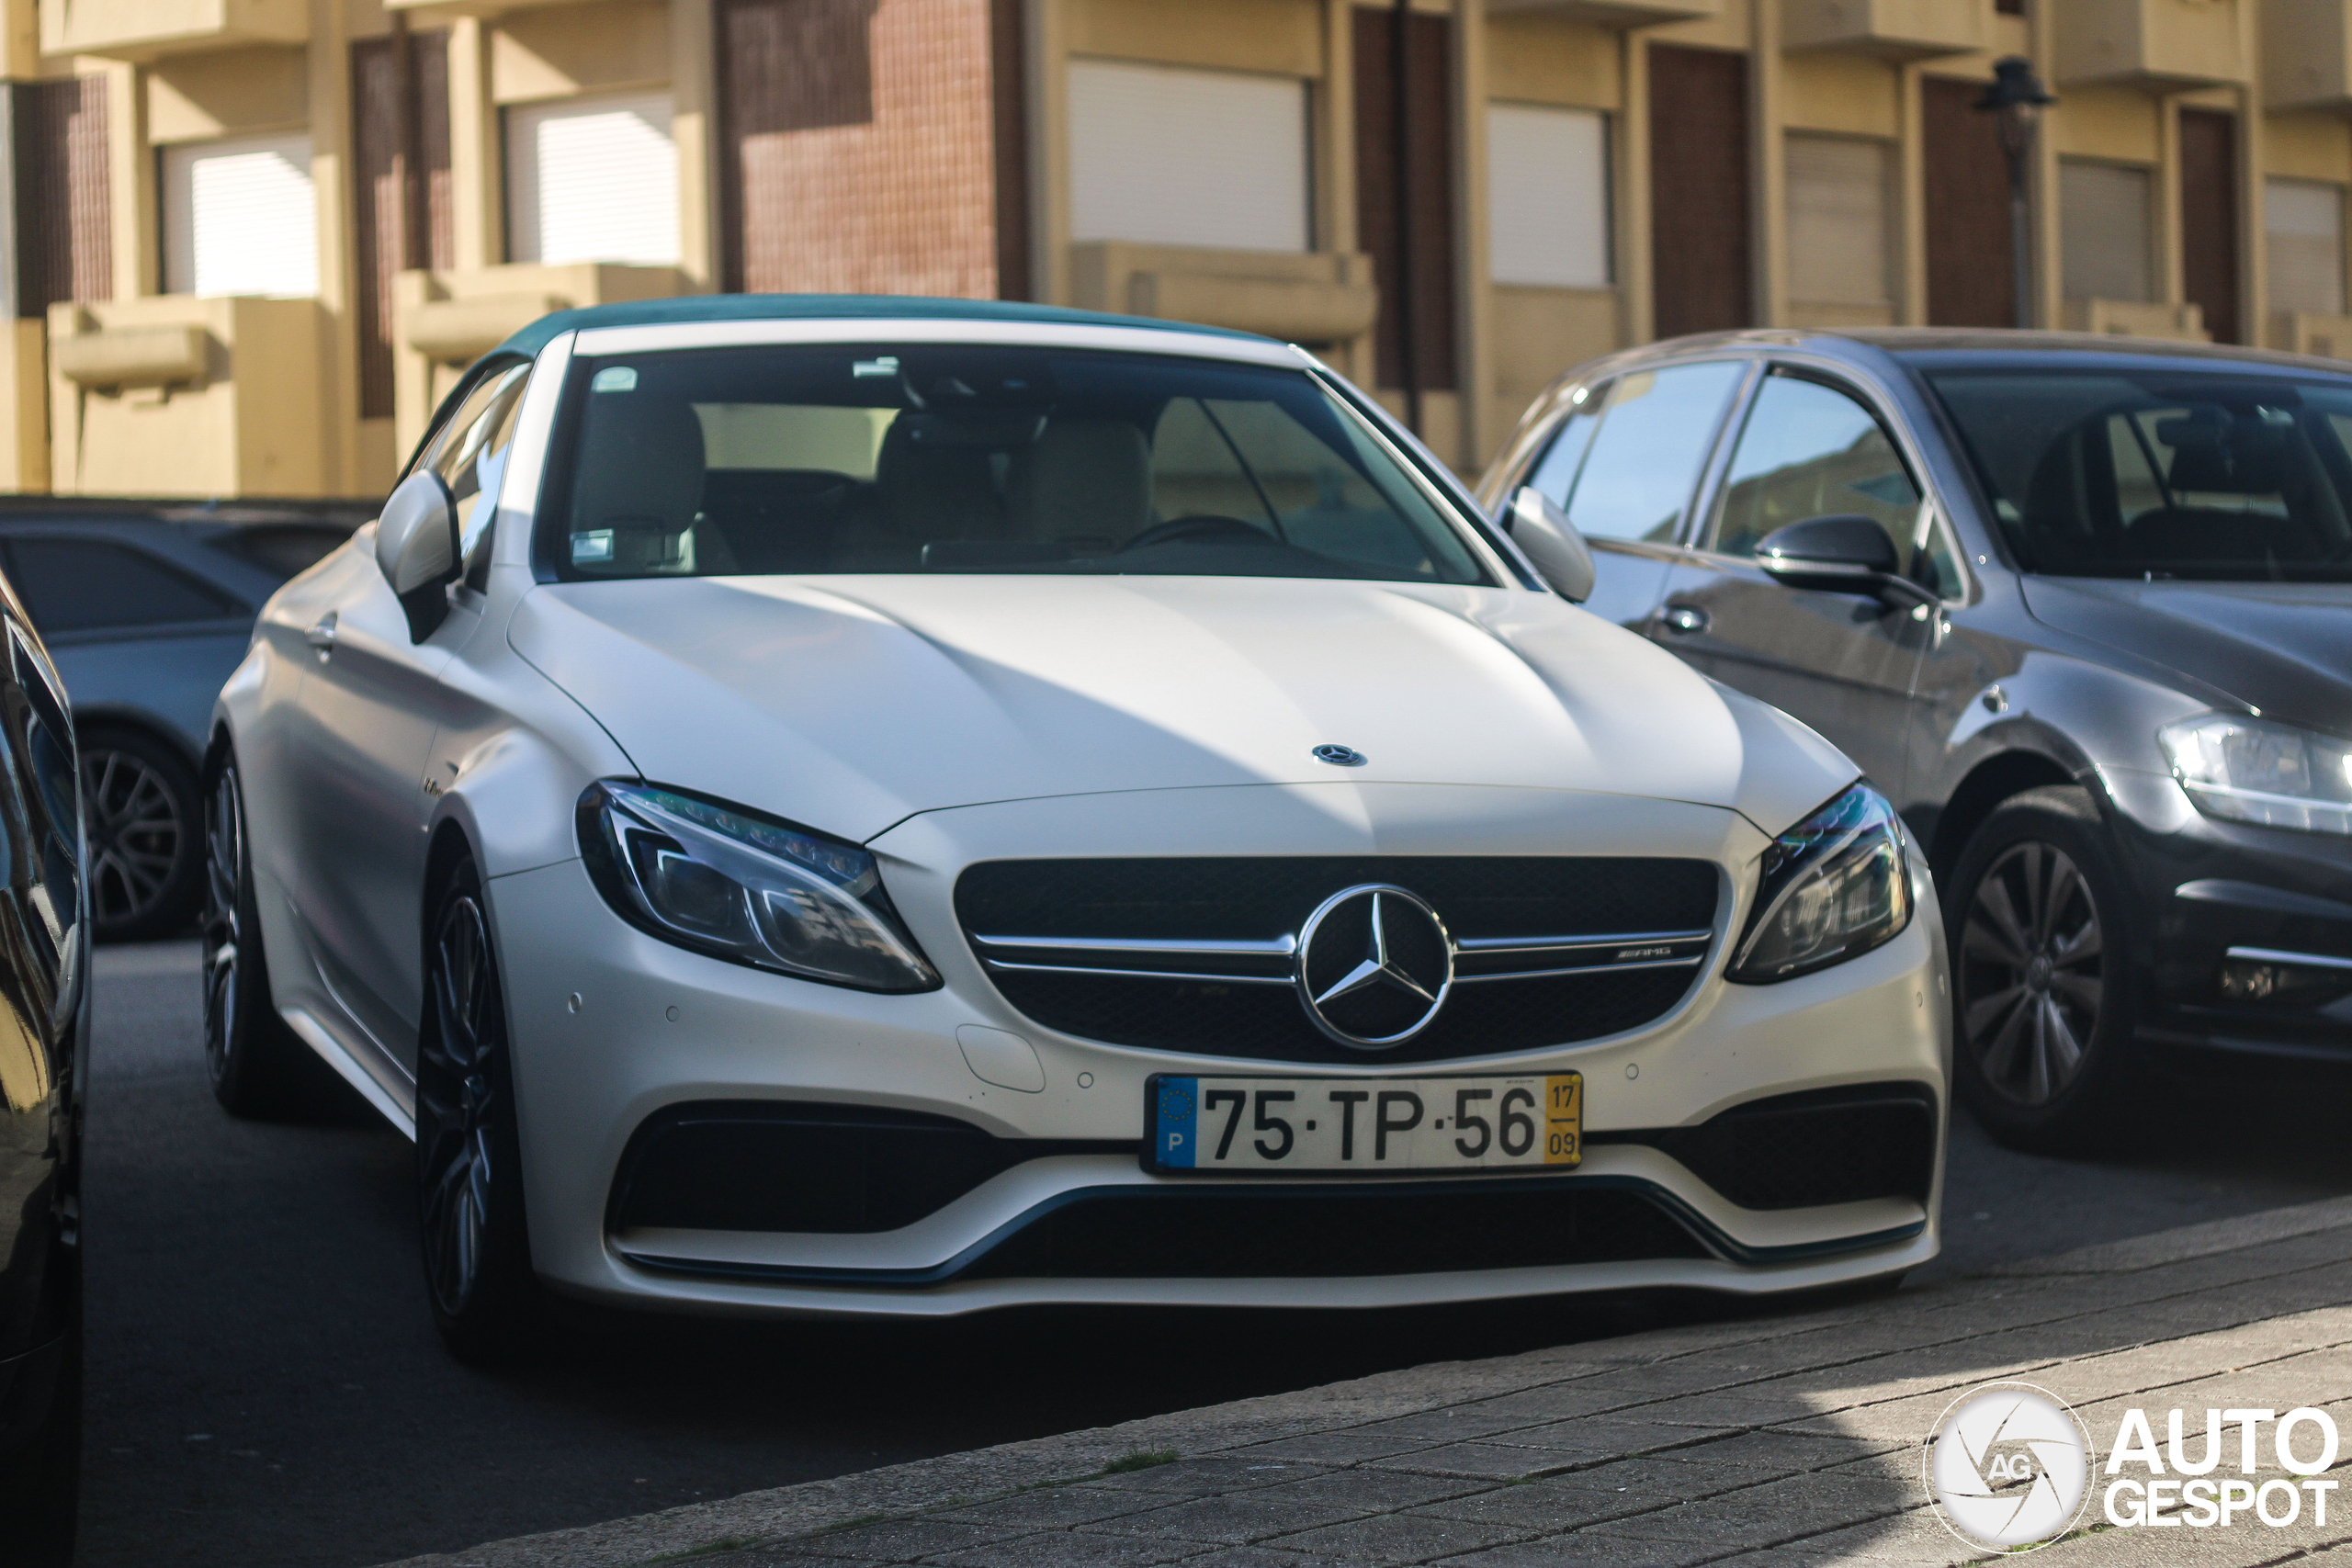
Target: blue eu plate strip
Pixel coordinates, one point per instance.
(1172, 1136)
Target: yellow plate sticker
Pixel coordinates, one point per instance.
(1564, 1119)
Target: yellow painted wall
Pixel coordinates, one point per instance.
(1535, 59)
(193, 97)
(1283, 35)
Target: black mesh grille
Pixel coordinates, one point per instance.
(1264, 899)
(822, 1169)
(1799, 1151)
(1261, 1234)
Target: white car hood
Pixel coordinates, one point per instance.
(849, 702)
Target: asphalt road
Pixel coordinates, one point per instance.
(266, 1387)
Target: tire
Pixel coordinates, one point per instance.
(486, 1300)
(146, 847)
(260, 1068)
(2042, 1018)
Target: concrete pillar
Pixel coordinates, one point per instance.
(693, 89)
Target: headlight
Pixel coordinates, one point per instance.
(745, 888)
(1834, 887)
(2250, 771)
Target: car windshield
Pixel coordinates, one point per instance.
(961, 459)
(2163, 473)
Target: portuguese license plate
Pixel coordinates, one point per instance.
(1262, 1126)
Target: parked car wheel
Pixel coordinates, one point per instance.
(259, 1066)
(486, 1300)
(145, 847)
(2039, 919)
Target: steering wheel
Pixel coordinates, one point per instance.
(1200, 525)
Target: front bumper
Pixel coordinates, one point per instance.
(612, 1028)
(2230, 900)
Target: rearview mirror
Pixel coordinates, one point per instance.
(416, 548)
(1847, 553)
(1552, 542)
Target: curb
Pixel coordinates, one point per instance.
(811, 1507)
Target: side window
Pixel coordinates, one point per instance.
(1554, 473)
(470, 457)
(1657, 430)
(79, 585)
(1806, 451)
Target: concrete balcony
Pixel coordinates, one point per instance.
(2307, 54)
(175, 395)
(443, 321)
(1888, 29)
(2136, 318)
(147, 30)
(2301, 332)
(1324, 298)
(1613, 12)
(2157, 45)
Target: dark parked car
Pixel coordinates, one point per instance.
(146, 610)
(2082, 606)
(44, 1021)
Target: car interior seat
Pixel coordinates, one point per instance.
(637, 497)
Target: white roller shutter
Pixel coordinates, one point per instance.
(240, 216)
(593, 180)
(2104, 213)
(1181, 157)
(1837, 227)
(1547, 183)
(2305, 224)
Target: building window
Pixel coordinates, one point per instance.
(1547, 196)
(1180, 157)
(1837, 221)
(240, 216)
(2103, 231)
(593, 180)
(2304, 222)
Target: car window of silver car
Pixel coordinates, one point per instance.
(1808, 449)
(470, 455)
(920, 457)
(1634, 466)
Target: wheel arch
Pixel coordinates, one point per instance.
(1980, 792)
(97, 721)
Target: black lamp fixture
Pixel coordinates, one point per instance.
(2016, 98)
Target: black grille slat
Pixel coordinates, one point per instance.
(1264, 899)
(1802, 1151)
(1275, 1234)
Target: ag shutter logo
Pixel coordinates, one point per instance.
(2009, 1465)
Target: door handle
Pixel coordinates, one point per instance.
(1684, 619)
(321, 637)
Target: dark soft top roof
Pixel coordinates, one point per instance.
(824, 307)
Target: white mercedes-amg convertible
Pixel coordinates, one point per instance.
(830, 805)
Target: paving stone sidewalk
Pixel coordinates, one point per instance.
(1778, 1440)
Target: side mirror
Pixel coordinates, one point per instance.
(1552, 542)
(416, 548)
(1843, 554)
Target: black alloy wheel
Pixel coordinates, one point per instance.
(486, 1301)
(259, 1068)
(2036, 914)
(140, 802)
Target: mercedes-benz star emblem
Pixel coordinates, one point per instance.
(1340, 756)
(1374, 965)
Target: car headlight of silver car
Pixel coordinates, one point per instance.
(747, 888)
(1834, 887)
(2249, 770)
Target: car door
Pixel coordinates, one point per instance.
(1845, 663)
(359, 736)
(1623, 464)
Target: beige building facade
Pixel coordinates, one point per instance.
(252, 242)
